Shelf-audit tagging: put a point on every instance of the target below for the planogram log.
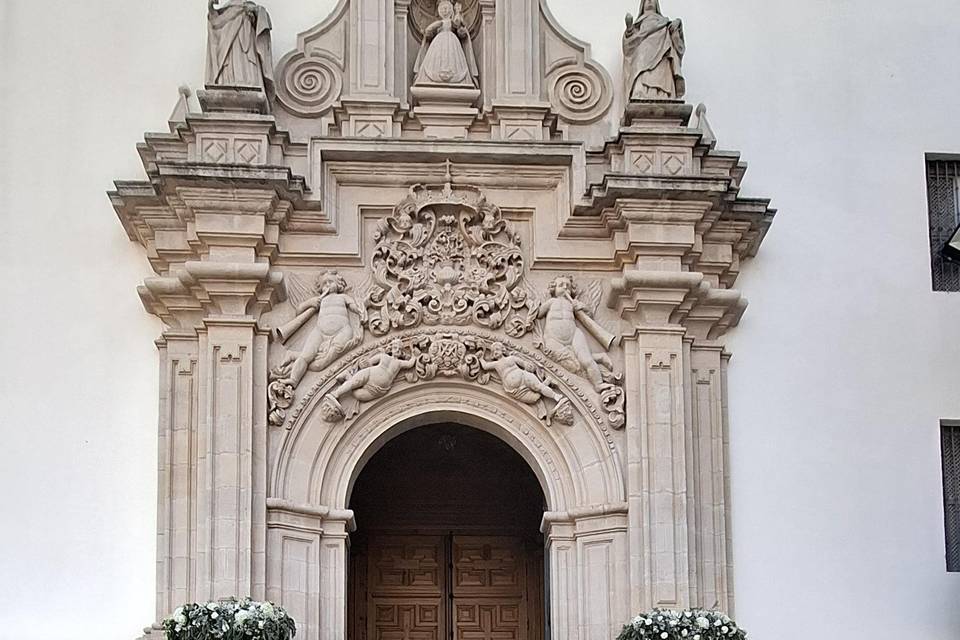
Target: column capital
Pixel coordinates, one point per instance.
(651, 298)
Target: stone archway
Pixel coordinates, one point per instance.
(464, 561)
(584, 526)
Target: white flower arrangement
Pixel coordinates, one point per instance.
(230, 619)
(690, 624)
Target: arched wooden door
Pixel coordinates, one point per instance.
(448, 544)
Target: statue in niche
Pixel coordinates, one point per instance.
(653, 48)
(565, 341)
(370, 382)
(339, 326)
(238, 45)
(446, 53)
(520, 381)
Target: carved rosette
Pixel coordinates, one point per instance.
(580, 94)
(446, 256)
(309, 85)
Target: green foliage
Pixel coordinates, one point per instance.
(230, 620)
(692, 624)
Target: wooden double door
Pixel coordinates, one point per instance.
(446, 587)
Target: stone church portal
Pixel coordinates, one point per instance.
(444, 312)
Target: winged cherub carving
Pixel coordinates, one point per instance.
(566, 341)
(368, 383)
(338, 327)
(519, 380)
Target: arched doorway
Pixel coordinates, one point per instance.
(448, 542)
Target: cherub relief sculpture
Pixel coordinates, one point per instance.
(520, 381)
(565, 341)
(368, 383)
(238, 45)
(338, 327)
(653, 48)
(446, 54)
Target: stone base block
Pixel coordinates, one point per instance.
(234, 100)
(657, 113)
(445, 111)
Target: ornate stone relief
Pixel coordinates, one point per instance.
(446, 257)
(563, 338)
(426, 357)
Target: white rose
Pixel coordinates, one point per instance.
(724, 629)
(214, 615)
(664, 635)
(717, 623)
(702, 622)
(684, 633)
(648, 622)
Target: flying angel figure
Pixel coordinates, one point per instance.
(338, 328)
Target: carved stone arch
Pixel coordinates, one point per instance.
(318, 462)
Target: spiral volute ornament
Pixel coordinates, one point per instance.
(309, 85)
(580, 94)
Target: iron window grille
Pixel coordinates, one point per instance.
(950, 451)
(943, 207)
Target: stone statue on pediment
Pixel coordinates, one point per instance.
(446, 53)
(238, 45)
(653, 48)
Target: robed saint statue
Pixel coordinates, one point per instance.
(238, 45)
(446, 53)
(653, 48)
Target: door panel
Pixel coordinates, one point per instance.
(450, 588)
(406, 584)
(489, 588)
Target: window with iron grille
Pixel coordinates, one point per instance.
(950, 447)
(943, 205)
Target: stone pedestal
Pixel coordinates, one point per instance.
(234, 100)
(445, 111)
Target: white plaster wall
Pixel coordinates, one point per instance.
(842, 367)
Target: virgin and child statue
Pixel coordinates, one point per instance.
(238, 45)
(446, 53)
(653, 48)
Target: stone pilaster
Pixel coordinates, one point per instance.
(334, 562)
(657, 490)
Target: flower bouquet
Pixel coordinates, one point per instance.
(230, 620)
(691, 624)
